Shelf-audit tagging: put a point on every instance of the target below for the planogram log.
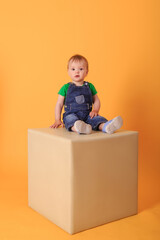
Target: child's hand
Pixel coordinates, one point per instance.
(57, 124)
(93, 114)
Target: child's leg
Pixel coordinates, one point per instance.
(72, 123)
(102, 124)
(69, 121)
(112, 125)
(95, 122)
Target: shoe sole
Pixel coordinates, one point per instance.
(114, 125)
(82, 127)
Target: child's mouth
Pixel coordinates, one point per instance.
(77, 76)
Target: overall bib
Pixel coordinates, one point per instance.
(78, 105)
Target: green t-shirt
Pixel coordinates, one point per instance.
(64, 89)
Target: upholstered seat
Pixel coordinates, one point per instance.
(82, 181)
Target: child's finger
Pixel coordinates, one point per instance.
(91, 114)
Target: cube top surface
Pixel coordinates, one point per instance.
(62, 133)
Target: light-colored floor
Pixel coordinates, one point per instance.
(19, 222)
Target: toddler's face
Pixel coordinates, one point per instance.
(77, 71)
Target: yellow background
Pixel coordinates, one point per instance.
(120, 39)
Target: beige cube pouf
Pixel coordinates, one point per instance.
(82, 181)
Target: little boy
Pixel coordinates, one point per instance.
(78, 97)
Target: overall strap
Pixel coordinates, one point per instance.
(86, 83)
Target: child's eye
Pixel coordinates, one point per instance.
(81, 69)
(73, 69)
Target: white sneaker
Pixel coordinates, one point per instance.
(115, 124)
(82, 127)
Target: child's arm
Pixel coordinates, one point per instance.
(96, 106)
(58, 110)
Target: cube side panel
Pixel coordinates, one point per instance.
(105, 180)
(49, 178)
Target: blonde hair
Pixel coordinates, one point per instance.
(78, 58)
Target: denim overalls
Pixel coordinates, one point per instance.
(78, 105)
